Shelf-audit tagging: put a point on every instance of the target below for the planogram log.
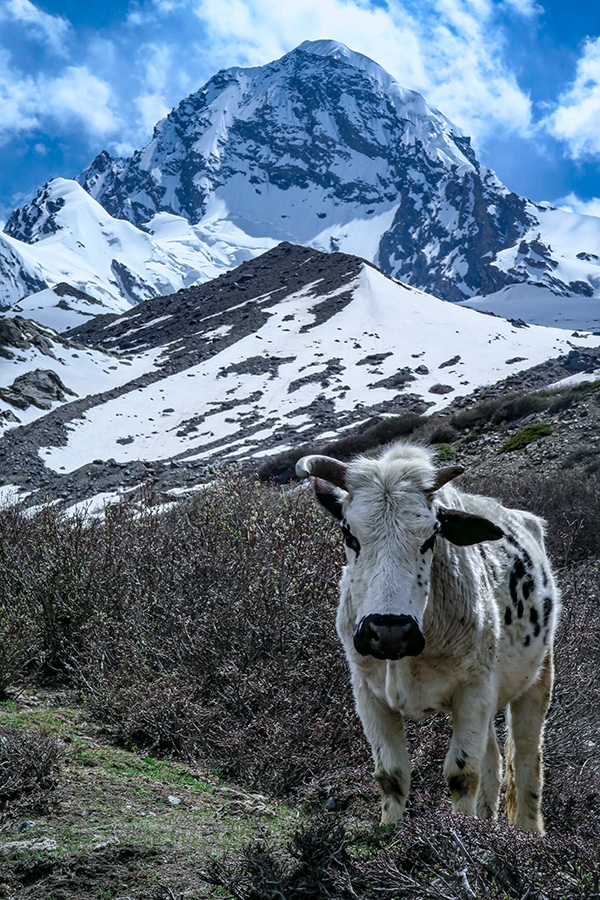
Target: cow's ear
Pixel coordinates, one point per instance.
(463, 528)
(330, 498)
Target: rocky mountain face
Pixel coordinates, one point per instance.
(293, 347)
(318, 147)
(322, 148)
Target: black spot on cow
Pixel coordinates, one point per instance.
(461, 784)
(527, 640)
(391, 784)
(520, 609)
(527, 587)
(547, 607)
(508, 616)
(512, 587)
(429, 544)
(519, 568)
(534, 619)
(517, 574)
(523, 554)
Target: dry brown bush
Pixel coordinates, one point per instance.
(438, 856)
(30, 765)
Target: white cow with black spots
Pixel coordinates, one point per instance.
(447, 603)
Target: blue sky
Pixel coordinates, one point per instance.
(522, 77)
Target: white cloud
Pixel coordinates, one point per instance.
(79, 95)
(573, 203)
(152, 108)
(51, 30)
(75, 96)
(576, 119)
(157, 63)
(526, 8)
(17, 100)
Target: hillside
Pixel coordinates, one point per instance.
(295, 347)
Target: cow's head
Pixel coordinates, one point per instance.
(391, 518)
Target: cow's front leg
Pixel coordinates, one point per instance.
(471, 717)
(384, 729)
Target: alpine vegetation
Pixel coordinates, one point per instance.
(447, 603)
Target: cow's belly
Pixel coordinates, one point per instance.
(518, 668)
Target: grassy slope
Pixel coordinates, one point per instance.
(116, 832)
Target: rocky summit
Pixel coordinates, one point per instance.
(321, 148)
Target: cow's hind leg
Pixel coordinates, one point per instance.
(524, 775)
(486, 805)
(384, 729)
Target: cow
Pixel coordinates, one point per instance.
(447, 602)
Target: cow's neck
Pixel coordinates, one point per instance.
(455, 607)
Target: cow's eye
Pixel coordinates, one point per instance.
(349, 539)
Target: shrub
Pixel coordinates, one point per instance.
(395, 427)
(437, 856)
(440, 432)
(569, 503)
(526, 436)
(30, 766)
(281, 467)
(503, 408)
(231, 657)
(444, 453)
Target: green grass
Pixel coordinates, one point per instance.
(444, 452)
(110, 799)
(525, 436)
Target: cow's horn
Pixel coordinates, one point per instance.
(331, 470)
(443, 476)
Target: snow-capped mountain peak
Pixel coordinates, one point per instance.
(323, 148)
(409, 104)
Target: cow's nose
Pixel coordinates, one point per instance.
(388, 637)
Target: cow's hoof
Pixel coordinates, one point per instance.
(391, 811)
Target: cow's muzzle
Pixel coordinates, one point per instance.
(388, 637)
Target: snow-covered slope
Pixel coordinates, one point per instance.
(292, 346)
(73, 240)
(323, 148)
(40, 371)
(560, 256)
